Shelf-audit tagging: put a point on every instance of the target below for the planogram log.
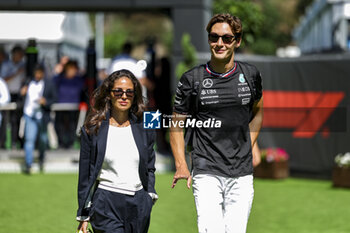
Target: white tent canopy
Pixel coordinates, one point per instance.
(21, 26)
(56, 33)
(54, 27)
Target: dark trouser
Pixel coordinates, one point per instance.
(3, 129)
(66, 124)
(15, 117)
(120, 213)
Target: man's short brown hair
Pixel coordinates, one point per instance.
(234, 22)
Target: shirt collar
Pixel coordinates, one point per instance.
(223, 75)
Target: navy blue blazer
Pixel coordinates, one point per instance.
(92, 154)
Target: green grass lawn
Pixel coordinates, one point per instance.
(47, 204)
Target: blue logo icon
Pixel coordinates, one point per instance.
(151, 120)
(241, 78)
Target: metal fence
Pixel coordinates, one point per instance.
(7, 108)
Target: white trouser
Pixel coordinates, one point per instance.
(223, 204)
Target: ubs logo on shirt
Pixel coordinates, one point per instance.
(207, 83)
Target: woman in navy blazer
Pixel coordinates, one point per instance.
(105, 198)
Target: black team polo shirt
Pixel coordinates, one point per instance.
(224, 151)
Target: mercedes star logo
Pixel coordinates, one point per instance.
(207, 83)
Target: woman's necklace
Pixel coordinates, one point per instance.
(115, 123)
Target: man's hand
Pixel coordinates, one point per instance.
(182, 172)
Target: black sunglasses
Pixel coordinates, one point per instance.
(118, 93)
(227, 39)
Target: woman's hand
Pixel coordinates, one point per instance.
(83, 227)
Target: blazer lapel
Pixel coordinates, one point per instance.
(102, 142)
(141, 141)
(137, 133)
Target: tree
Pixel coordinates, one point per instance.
(267, 24)
(302, 5)
(137, 28)
(250, 13)
(189, 56)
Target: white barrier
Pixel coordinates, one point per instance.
(64, 107)
(54, 107)
(8, 107)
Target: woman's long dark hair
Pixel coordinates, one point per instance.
(101, 100)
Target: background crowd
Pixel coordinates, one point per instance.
(69, 88)
(20, 84)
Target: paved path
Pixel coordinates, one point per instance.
(59, 161)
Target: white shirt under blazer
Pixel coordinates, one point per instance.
(120, 169)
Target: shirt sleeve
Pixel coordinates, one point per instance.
(83, 178)
(5, 70)
(258, 85)
(4, 92)
(182, 102)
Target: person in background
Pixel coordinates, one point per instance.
(4, 96)
(69, 86)
(13, 72)
(162, 96)
(116, 188)
(59, 67)
(126, 61)
(39, 94)
(3, 57)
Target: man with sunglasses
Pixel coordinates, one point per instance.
(230, 92)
